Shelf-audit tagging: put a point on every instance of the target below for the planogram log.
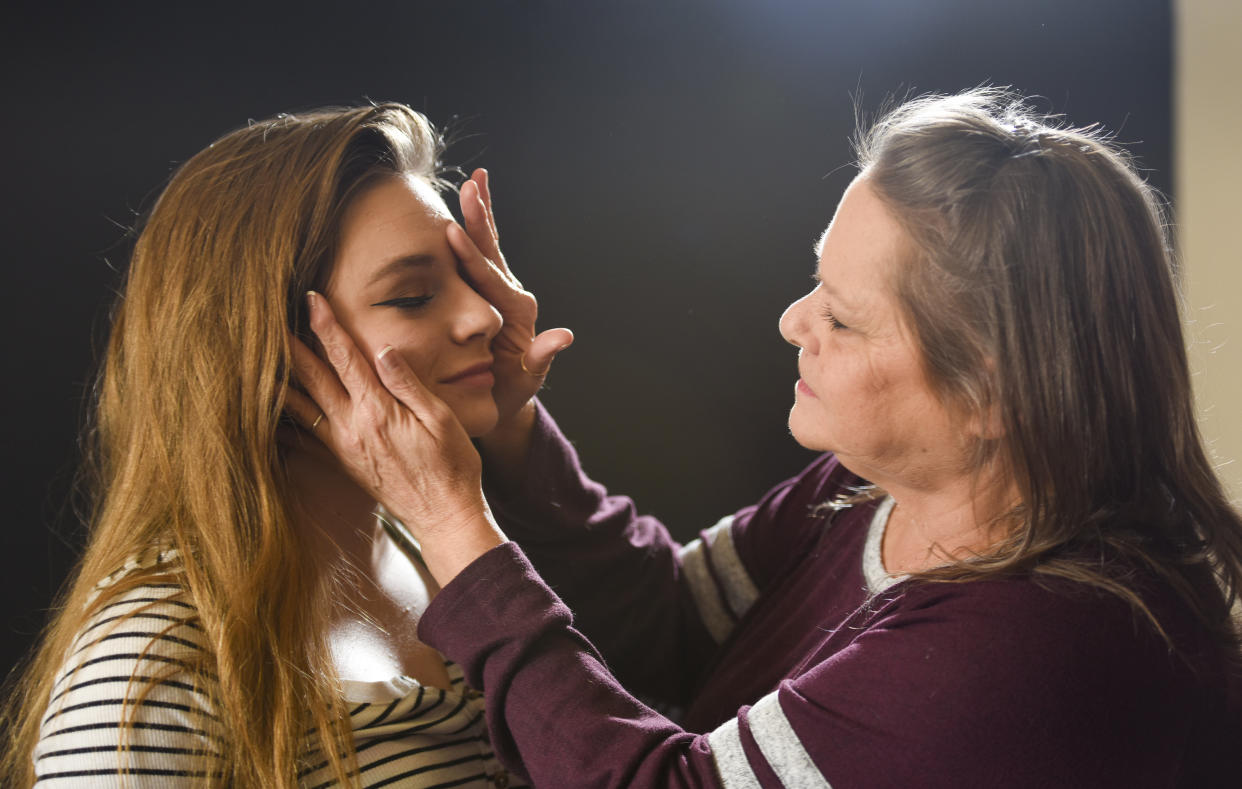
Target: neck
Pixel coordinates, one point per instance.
(369, 630)
(337, 518)
(958, 518)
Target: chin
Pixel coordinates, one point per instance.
(808, 435)
(478, 420)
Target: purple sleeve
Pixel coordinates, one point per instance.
(554, 711)
(622, 574)
(989, 683)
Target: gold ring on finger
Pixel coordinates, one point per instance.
(527, 370)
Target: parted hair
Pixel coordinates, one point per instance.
(182, 433)
(1041, 288)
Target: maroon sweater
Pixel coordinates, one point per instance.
(795, 669)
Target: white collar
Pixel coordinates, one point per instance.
(878, 579)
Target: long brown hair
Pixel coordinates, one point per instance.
(183, 449)
(1041, 289)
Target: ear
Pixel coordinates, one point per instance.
(987, 423)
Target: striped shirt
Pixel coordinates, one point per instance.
(100, 730)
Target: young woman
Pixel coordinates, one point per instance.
(238, 618)
(1014, 567)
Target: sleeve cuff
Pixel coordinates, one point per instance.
(496, 599)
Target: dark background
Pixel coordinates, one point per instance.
(660, 170)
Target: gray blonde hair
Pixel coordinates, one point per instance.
(1040, 288)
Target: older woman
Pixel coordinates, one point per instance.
(1013, 567)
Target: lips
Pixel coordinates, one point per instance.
(805, 388)
(477, 372)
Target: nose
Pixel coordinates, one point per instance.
(474, 317)
(793, 323)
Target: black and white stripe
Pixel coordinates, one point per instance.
(405, 731)
(123, 700)
(100, 730)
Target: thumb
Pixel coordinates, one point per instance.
(403, 384)
(544, 348)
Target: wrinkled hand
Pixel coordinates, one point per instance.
(522, 359)
(397, 440)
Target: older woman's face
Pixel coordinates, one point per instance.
(862, 392)
(395, 281)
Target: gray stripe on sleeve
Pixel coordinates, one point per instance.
(703, 589)
(739, 590)
(781, 747)
(731, 762)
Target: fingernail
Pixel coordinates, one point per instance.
(310, 299)
(383, 358)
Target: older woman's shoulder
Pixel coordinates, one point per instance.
(1064, 650)
(1056, 617)
(1052, 678)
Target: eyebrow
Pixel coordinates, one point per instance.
(826, 285)
(399, 265)
(817, 248)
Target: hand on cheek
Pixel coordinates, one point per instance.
(397, 440)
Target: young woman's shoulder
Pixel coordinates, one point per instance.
(130, 693)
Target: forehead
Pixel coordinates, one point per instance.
(395, 217)
(862, 245)
(394, 203)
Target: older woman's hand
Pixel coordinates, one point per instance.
(397, 440)
(522, 358)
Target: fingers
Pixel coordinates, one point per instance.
(482, 181)
(478, 226)
(476, 209)
(348, 362)
(544, 348)
(400, 380)
(493, 282)
(305, 411)
(324, 391)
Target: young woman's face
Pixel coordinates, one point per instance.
(862, 392)
(395, 281)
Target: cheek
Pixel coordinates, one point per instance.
(417, 357)
(850, 378)
(409, 339)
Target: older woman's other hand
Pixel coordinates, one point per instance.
(522, 358)
(397, 440)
